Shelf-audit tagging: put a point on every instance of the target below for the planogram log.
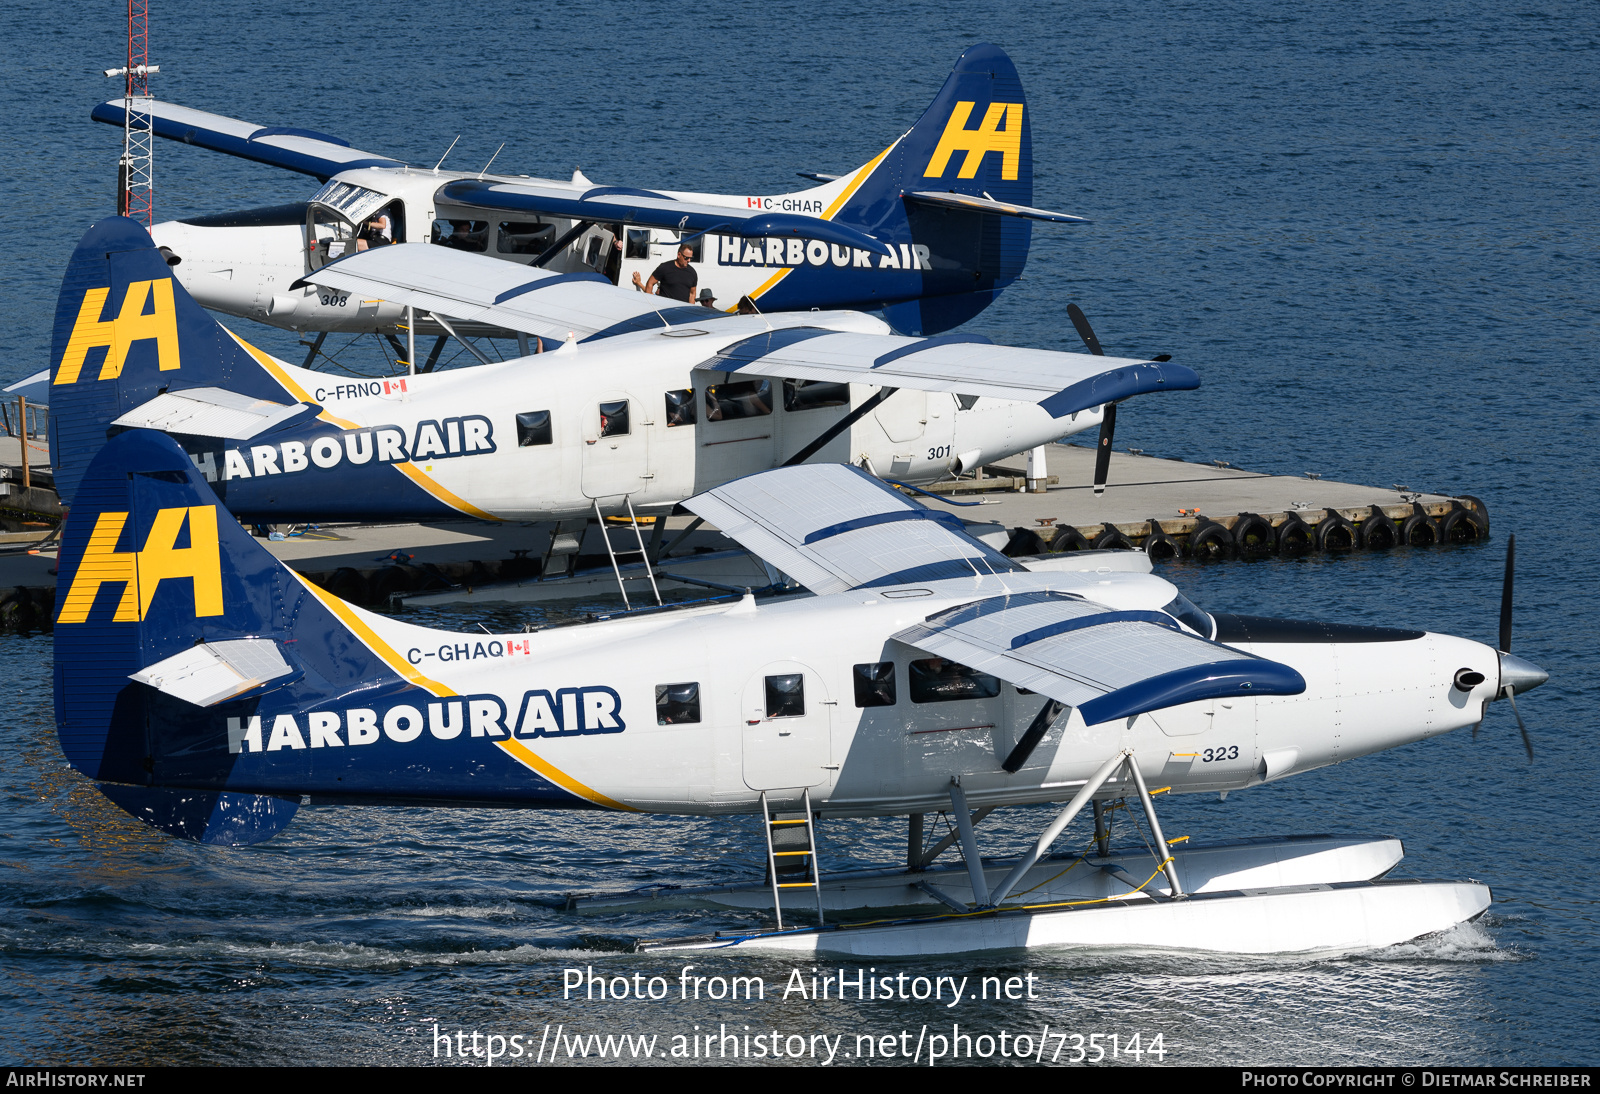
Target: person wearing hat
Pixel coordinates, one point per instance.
(707, 300)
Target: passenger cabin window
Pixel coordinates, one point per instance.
(937, 680)
(524, 237)
(875, 684)
(786, 696)
(746, 399)
(680, 407)
(677, 704)
(533, 428)
(614, 419)
(463, 235)
(638, 243)
(695, 246)
(814, 394)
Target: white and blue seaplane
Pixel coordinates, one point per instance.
(926, 234)
(211, 692)
(645, 411)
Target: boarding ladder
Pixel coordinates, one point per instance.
(791, 853)
(611, 551)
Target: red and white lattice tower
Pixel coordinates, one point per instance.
(136, 172)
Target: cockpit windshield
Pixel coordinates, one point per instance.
(1185, 612)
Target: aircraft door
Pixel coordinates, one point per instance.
(903, 417)
(788, 716)
(616, 446)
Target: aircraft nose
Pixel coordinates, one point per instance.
(1519, 674)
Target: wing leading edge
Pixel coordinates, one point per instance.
(632, 206)
(304, 150)
(1062, 383)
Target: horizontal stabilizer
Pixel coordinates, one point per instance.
(205, 816)
(1109, 664)
(210, 412)
(1062, 383)
(214, 672)
(833, 527)
(630, 206)
(302, 150)
(943, 200)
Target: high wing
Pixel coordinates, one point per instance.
(1062, 383)
(833, 528)
(304, 150)
(632, 206)
(1108, 664)
(474, 288)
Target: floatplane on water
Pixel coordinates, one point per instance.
(210, 692)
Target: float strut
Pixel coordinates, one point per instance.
(1102, 835)
(1162, 850)
(969, 843)
(914, 842)
(1064, 818)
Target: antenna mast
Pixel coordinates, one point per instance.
(136, 171)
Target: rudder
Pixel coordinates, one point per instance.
(125, 331)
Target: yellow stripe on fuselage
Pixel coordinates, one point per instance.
(433, 488)
(838, 203)
(385, 652)
(527, 757)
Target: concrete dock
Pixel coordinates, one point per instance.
(1167, 507)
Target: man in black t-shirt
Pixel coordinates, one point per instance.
(673, 279)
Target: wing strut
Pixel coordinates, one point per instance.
(839, 427)
(562, 243)
(472, 349)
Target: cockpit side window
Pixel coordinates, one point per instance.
(519, 237)
(463, 235)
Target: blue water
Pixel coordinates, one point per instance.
(1372, 228)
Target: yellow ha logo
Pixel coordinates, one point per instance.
(141, 572)
(990, 136)
(118, 335)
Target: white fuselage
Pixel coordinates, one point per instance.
(246, 270)
(618, 745)
(504, 467)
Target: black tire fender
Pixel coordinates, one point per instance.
(1252, 535)
(1334, 533)
(1210, 540)
(1295, 536)
(1378, 532)
(1159, 546)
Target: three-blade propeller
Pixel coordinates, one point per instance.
(1108, 423)
(1516, 673)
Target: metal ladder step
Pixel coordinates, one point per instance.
(791, 840)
